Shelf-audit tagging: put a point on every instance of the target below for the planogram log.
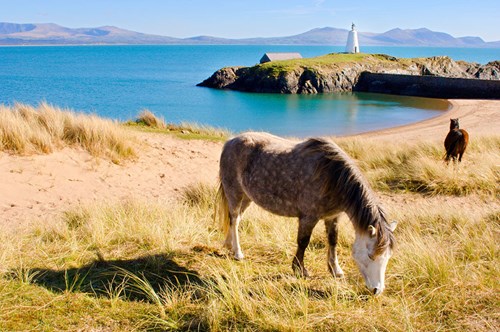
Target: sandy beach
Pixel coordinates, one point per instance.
(479, 117)
(38, 187)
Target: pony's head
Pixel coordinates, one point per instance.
(371, 251)
(454, 124)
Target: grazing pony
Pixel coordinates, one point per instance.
(455, 142)
(311, 180)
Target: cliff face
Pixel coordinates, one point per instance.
(339, 72)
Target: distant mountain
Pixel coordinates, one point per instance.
(53, 34)
(425, 37)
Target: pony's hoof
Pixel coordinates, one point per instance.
(337, 273)
(300, 272)
(303, 273)
(239, 256)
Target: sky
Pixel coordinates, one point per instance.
(261, 18)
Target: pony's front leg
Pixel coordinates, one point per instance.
(306, 225)
(332, 234)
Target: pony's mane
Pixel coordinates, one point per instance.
(343, 180)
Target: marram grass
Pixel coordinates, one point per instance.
(140, 265)
(147, 118)
(25, 130)
(421, 167)
(147, 121)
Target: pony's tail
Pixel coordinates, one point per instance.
(222, 210)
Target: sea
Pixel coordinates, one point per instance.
(118, 82)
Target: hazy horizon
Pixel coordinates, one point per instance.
(230, 19)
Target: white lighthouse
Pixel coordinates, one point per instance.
(352, 45)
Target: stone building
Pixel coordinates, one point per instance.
(279, 56)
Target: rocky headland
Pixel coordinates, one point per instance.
(339, 72)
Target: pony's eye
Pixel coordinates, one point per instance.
(370, 256)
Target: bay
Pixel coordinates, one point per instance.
(119, 81)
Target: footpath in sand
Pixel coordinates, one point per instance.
(38, 187)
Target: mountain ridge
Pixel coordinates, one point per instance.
(54, 34)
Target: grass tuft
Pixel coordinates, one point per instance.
(147, 121)
(27, 130)
(147, 118)
(199, 195)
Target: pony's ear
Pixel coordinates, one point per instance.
(393, 225)
(372, 230)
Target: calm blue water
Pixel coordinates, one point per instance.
(119, 81)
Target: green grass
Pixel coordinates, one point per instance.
(281, 67)
(148, 122)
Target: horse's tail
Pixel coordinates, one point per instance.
(222, 210)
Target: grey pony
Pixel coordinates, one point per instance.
(311, 180)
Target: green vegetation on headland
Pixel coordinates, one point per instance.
(280, 67)
(144, 265)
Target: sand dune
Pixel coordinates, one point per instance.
(37, 187)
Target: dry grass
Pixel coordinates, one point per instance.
(420, 167)
(26, 130)
(147, 118)
(150, 122)
(138, 265)
(195, 130)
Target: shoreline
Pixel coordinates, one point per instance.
(478, 117)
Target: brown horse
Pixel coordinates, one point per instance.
(311, 180)
(455, 142)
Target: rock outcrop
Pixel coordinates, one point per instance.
(339, 72)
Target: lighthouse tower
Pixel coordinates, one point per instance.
(352, 45)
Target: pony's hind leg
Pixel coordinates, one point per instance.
(331, 226)
(235, 239)
(232, 239)
(306, 225)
